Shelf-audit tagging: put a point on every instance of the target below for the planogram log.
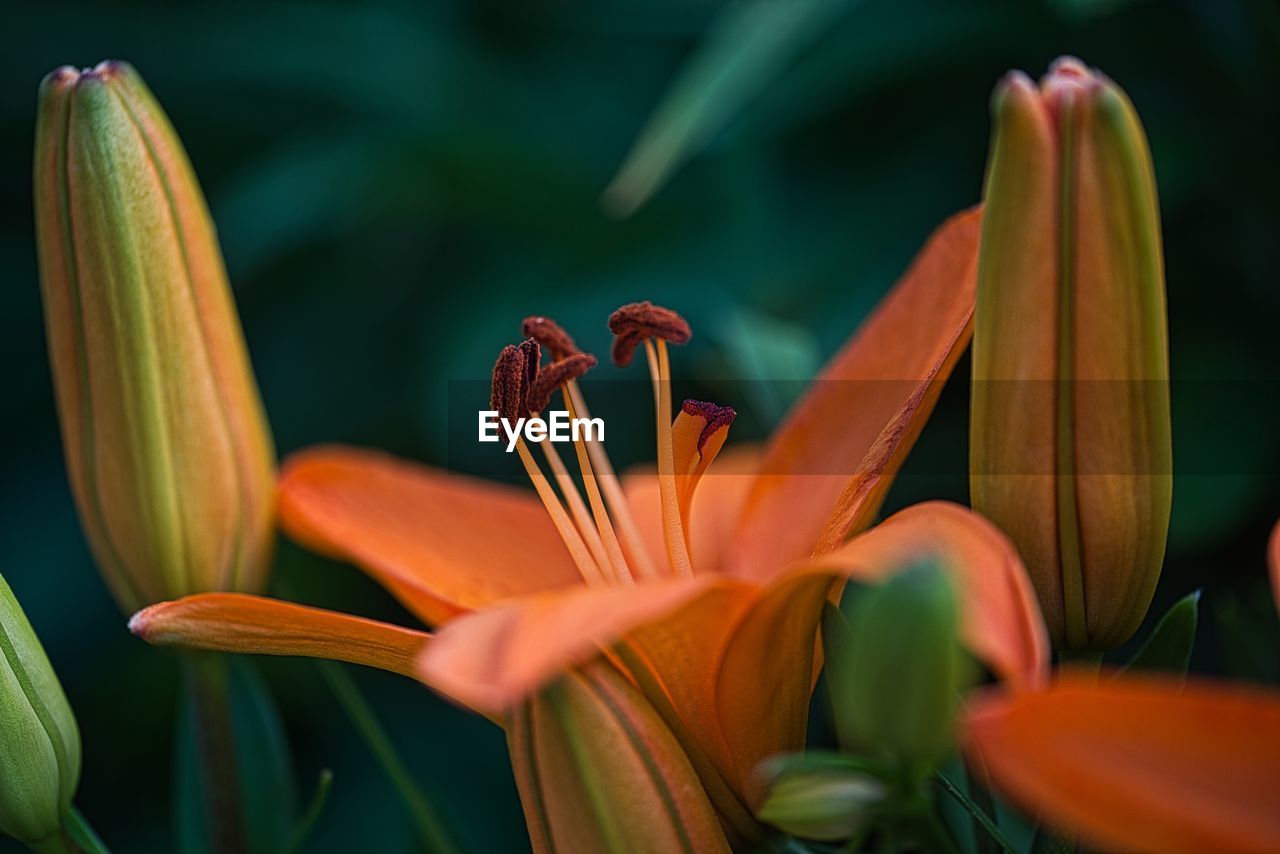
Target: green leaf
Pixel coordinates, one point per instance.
(981, 818)
(426, 819)
(1168, 649)
(748, 46)
(308, 821)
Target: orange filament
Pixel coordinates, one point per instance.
(587, 567)
(672, 526)
(522, 386)
(609, 482)
(577, 509)
(617, 561)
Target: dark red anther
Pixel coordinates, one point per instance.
(624, 348)
(532, 354)
(554, 375)
(633, 323)
(513, 376)
(550, 335)
(717, 417)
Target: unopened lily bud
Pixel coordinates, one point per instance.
(897, 681)
(1070, 443)
(39, 740)
(166, 443)
(598, 770)
(819, 797)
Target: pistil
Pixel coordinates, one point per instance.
(654, 326)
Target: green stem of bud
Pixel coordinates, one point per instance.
(1081, 659)
(83, 836)
(426, 820)
(207, 677)
(59, 843)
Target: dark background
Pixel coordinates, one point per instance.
(397, 184)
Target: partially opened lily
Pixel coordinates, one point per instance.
(701, 586)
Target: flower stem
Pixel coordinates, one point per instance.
(430, 828)
(82, 834)
(207, 681)
(979, 815)
(59, 843)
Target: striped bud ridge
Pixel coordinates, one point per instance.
(166, 442)
(1070, 443)
(598, 770)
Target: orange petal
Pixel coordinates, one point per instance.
(765, 676)
(676, 662)
(490, 659)
(239, 622)
(1138, 763)
(714, 506)
(1000, 620)
(440, 542)
(598, 770)
(864, 411)
(1274, 560)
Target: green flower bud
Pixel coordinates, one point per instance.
(897, 681)
(819, 796)
(39, 741)
(167, 447)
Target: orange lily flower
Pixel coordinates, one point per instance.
(702, 586)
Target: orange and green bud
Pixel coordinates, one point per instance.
(598, 770)
(166, 442)
(39, 740)
(1070, 445)
(897, 678)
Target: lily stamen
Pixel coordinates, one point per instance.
(587, 566)
(514, 375)
(620, 509)
(596, 528)
(617, 561)
(577, 508)
(654, 326)
(554, 339)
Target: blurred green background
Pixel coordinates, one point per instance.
(397, 184)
